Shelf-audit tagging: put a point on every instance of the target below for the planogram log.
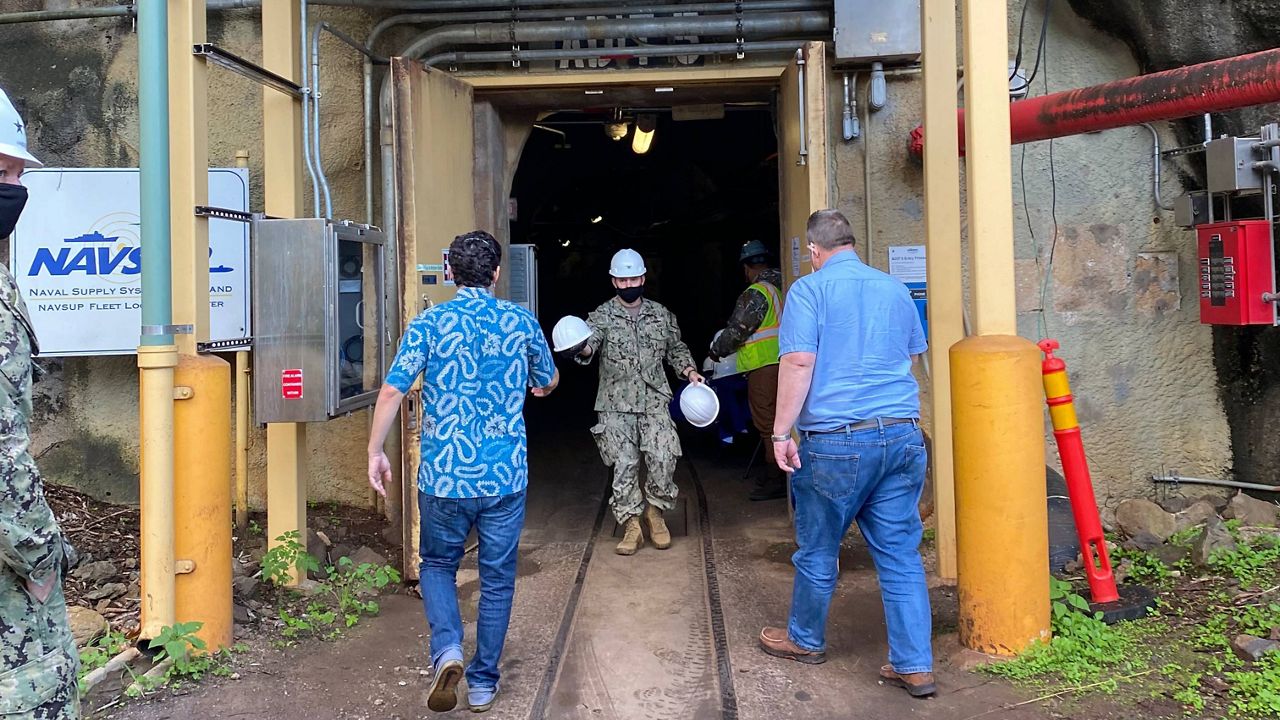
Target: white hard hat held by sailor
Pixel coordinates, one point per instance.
(633, 337)
(38, 657)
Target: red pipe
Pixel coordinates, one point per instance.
(1216, 86)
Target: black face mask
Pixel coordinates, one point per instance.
(631, 294)
(12, 199)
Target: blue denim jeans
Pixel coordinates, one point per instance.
(873, 477)
(445, 525)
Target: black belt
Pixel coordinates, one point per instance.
(864, 425)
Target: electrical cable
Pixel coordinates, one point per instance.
(1044, 37)
(1053, 211)
(1022, 25)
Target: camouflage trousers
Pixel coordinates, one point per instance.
(625, 438)
(38, 658)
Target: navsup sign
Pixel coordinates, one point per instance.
(77, 256)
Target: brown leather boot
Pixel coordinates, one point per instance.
(632, 537)
(658, 531)
(776, 642)
(918, 684)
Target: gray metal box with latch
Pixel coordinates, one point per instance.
(318, 285)
(877, 31)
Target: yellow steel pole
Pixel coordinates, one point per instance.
(155, 419)
(942, 228)
(1001, 518)
(282, 164)
(202, 413)
(242, 380)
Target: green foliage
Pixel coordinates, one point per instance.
(1144, 567)
(1251, 563)
(1083, 647)
(99, 653)
(179, 643)
(350, 588)
(1259, 619)
(929, 536)
(1186, 537)
(287, 555)
(255, 528)
(1256, 693)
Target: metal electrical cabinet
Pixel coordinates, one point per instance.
(523, 276)
(319, 318)
(877, 31)
(1235, 273)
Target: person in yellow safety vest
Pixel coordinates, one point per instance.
(752, 332)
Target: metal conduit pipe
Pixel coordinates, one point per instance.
(786, 24)
(306, 111)
(497, 56)
(751, 6)
(1215, 86)
(1155, 173)
(1180, 480)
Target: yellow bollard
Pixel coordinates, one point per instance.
(202, 496)
(1002, 526)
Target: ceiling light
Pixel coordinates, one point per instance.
(645, 125)
(564, 243)
(596, 220)
(616, 130)
(593, 92)
(664, 89)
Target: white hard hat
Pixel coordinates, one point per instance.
(13, 133)
(699, 404)
(568, 332)
(626, 263)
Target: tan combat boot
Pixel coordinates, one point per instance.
(658, 531)
(632, 538)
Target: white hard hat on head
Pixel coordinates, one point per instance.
(626, 263)
(13, 133)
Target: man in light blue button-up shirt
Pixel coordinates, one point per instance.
(477, 356)
(849, 335)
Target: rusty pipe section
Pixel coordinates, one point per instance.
(1211, 87)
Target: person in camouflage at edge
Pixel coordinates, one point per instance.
(38, 659)
(633, 337)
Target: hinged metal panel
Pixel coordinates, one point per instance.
(877, 31)
(320, 286)
(1230, 165)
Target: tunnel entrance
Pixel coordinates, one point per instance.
(703, 189)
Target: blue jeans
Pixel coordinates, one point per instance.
(873, 477)
(445, 525)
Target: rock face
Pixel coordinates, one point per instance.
(1165, 34)
(86, 625)
(1137, 517)
(1196, 514)
(1251, 649)
(1252, 511)
(1213, 539)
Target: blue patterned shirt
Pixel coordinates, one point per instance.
(478, 356)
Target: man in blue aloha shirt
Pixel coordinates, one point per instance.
(477, 356)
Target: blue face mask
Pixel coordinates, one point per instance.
(13, 198)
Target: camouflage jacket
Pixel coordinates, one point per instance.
(631, 355)
(748, 313)
(38, 657)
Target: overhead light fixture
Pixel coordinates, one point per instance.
(664, 89)
(645, 125)
(617, 128)
(564, 243)
(597, 219)
(593, 92)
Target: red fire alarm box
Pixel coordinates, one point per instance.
(1235, 271)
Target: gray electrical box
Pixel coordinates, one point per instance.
(1191, 209)
(886, 31)
(319, 318)
(1229, 162)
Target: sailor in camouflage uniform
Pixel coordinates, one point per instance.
(38, 659)
(633, 337)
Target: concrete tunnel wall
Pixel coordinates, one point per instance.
(1122, 297)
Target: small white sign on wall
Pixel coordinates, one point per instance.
(77, 257)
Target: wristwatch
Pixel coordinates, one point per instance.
(779, 438)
